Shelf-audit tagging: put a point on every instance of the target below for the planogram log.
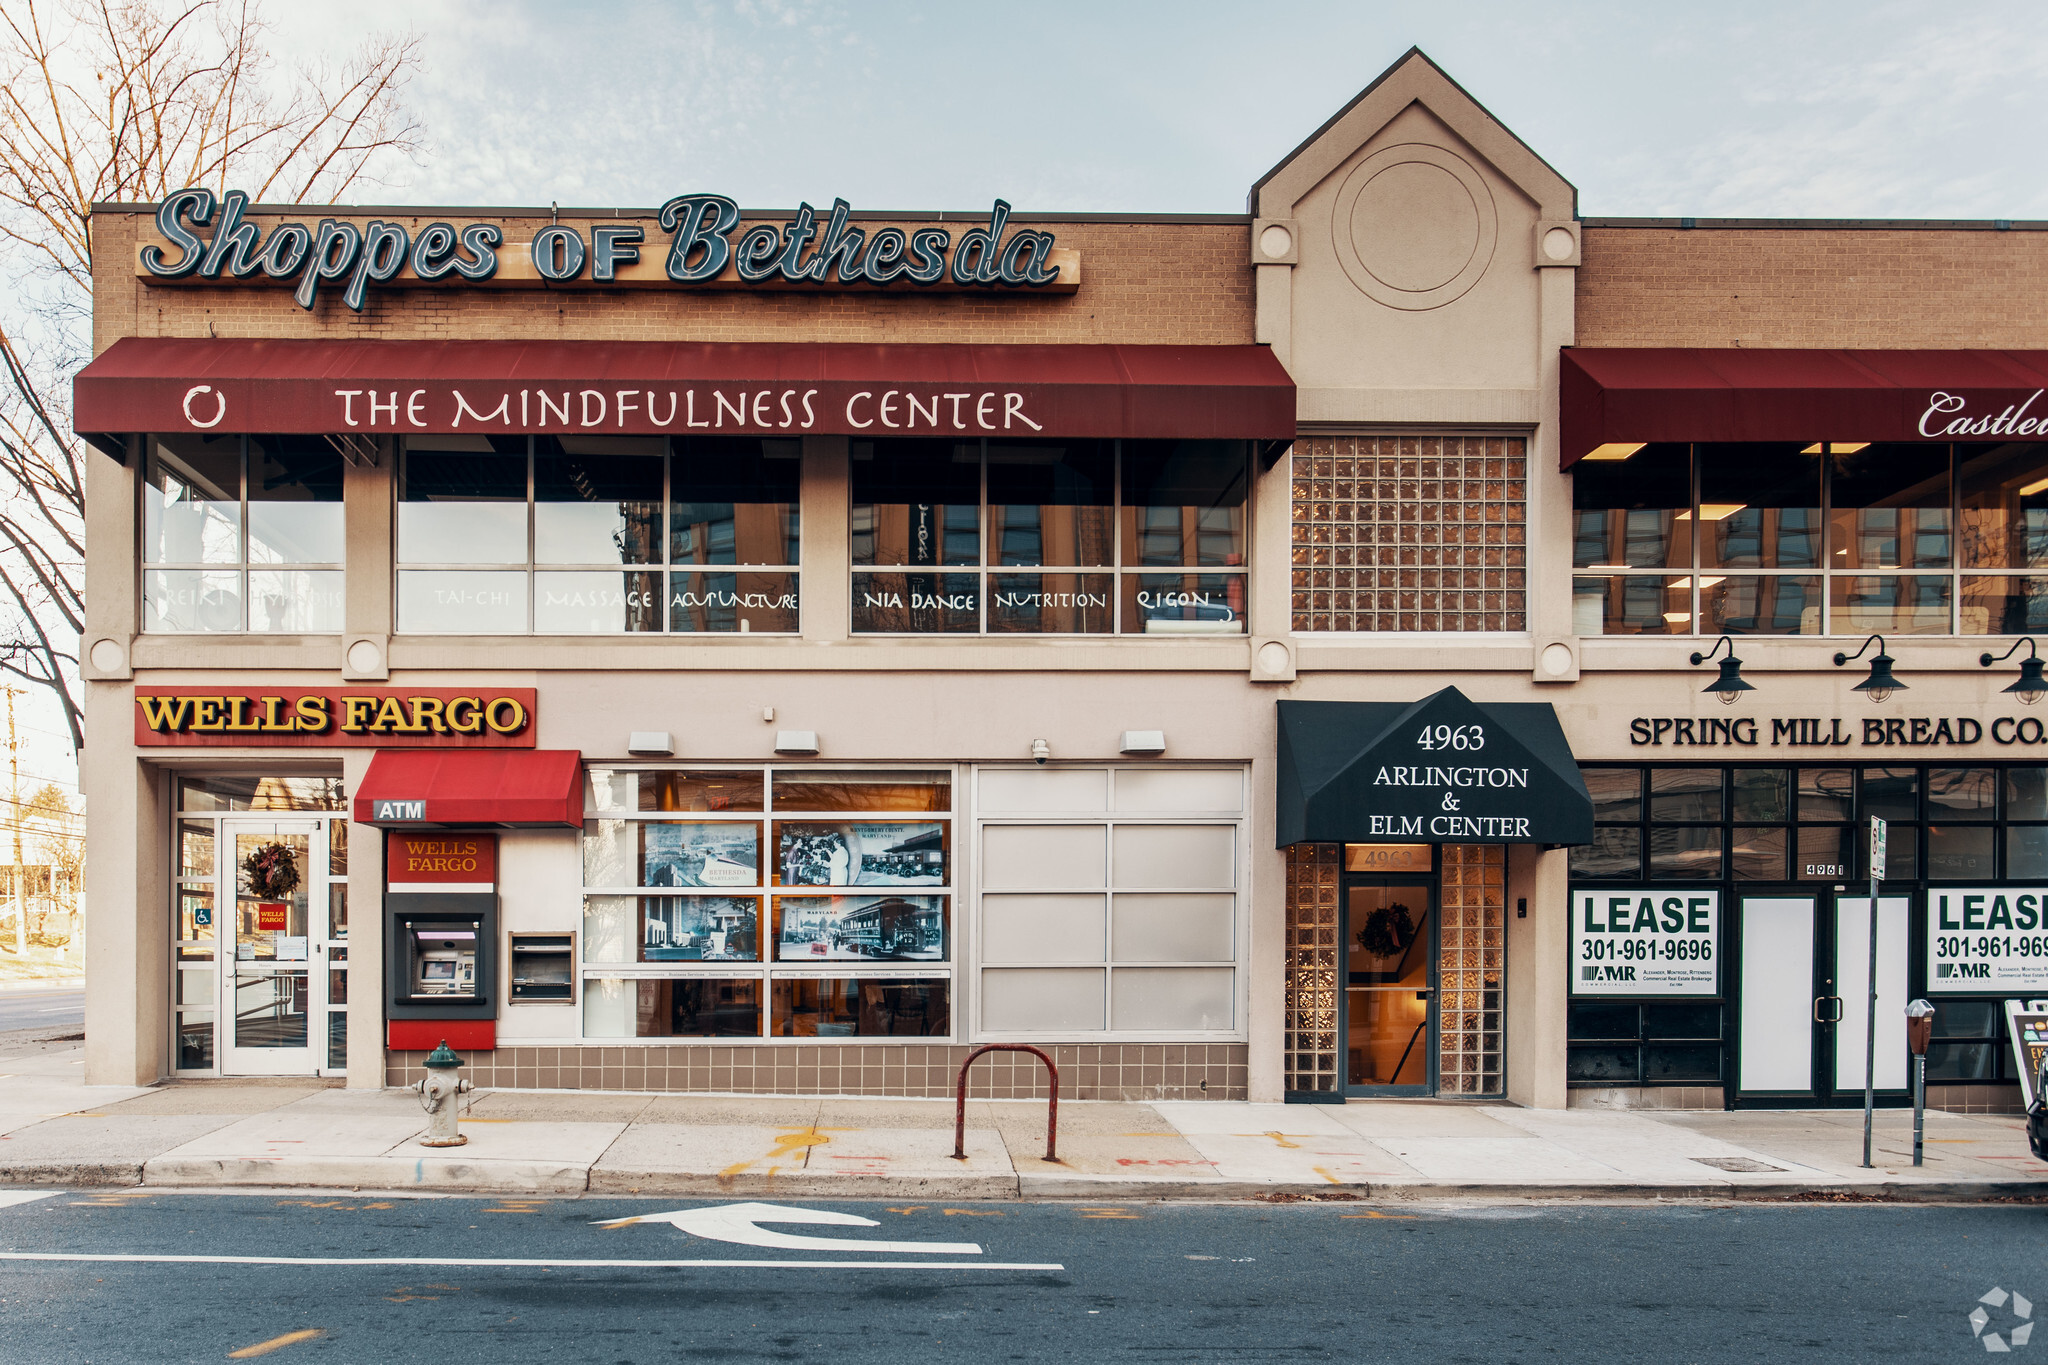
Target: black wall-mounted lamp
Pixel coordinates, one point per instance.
(1730, 684)
(1880, 685)
(2031, 686)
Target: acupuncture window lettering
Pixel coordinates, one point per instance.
(1811, 538)
(767, 903)
(1068, 537)
(585, 535)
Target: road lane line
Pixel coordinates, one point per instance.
(142, 1258)
(264, 1348)
(9, 1198)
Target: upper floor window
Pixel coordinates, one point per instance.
(1397, 533)
(242, 533)
(584, 535)
(1791, 538)
(1076, 537)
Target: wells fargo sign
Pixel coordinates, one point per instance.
(336, 717)
(440, 862)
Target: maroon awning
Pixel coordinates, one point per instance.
(520, 789)
(374, 388)
(1616, 395)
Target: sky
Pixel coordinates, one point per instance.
(1729, 109)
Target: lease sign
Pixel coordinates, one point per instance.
(1645, 943)
(1987, 941)
(336, 717)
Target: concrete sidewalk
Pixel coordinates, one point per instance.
(274, 1134)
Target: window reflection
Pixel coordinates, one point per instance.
(1634, 513)
(1891, 506)
(597, 500)
(1760, 505)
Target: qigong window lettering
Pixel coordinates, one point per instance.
(768, 903)
(1049, 537)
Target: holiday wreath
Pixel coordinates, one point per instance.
(1388, 931)
(273, 872)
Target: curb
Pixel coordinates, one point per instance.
(385, 1173)
(84, 1173)
(799, 1186)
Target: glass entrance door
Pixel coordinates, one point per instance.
(276, 985)
(1390, 987)
(1805, 982)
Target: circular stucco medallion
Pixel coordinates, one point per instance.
(1557, 660)
(1276, 241)
(1415, 226)
(1558, 244)
(108, 656)
(1273, 657)
(365, 657)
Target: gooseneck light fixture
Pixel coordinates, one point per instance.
(1880, 685)
(2031, 686)
(1729, 685)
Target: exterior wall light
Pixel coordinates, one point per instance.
(2031, 686)
(1880, 685)
(1729, 685)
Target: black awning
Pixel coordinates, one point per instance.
(1443, 770)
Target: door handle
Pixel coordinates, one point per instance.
(1820, 1002)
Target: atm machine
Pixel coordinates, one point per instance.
(440, 969)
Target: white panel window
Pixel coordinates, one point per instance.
(1182, 999)
(1196, 791)
(1176, 928)
(1175, 856)
(1154, 889)
(1043, 857)
(1068, 1000)
(1044, 791)
(1046, 928)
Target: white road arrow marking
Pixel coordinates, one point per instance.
(741, 1223)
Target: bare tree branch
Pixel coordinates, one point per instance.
(132, 100)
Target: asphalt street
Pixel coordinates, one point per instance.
(56, 1010)
(1133, 1282)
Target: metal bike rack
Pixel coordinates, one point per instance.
(1052, 1115)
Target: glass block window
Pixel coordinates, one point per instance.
(1474, 930)
(1311, 1009)
(1410, 533)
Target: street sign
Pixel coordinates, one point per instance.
(1877, 841)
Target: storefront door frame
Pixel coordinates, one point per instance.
(1429, 884)
(1830, 960)
(242, 981)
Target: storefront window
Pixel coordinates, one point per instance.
(242, 534)
(1049, 537)
(1812, 538)
(588, 535)
(1970, 825)
(697, 910)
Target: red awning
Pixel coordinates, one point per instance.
(594, 388)
(1674, 394)
(524, 789)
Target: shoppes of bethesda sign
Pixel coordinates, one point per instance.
(336, 717)
(1833, 732)
(707, 247)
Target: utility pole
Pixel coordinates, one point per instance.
(14, 802)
